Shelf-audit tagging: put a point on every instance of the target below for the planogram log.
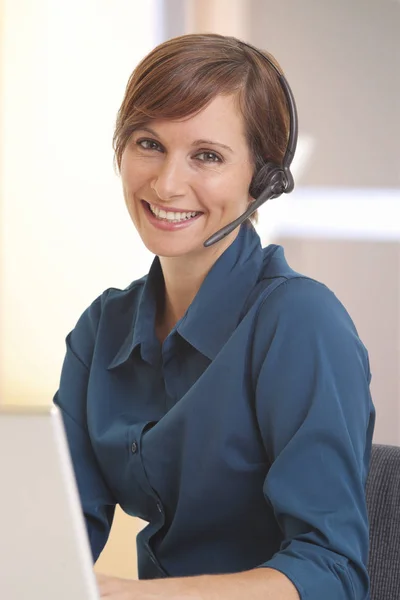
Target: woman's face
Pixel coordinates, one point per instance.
(184, 180)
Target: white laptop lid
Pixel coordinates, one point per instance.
(44, 549)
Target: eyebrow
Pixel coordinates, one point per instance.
(195, 143)
(211, 143)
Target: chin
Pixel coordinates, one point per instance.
(172, 249)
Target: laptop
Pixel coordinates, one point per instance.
(44, 548)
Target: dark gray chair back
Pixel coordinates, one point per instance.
(383, 501)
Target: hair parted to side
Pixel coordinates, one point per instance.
(182, 75)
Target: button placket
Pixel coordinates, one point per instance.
(136, 461)
(140, 473)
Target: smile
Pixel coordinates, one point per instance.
(172, 216)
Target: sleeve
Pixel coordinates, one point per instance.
(98, 505)
(316, 419)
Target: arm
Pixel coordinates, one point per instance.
(257, 584)
(97, 502)
(316, 418)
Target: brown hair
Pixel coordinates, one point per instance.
(182, 75)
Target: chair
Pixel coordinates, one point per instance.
(383, 501)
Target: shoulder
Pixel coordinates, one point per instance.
(285, 294)
(117, 301)
(113, 301)
(112, 311)
(302, 300)
(305, 316)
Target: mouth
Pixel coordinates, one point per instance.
(171, 216)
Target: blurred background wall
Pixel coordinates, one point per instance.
(65, 234)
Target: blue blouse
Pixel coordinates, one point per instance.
(243, 440)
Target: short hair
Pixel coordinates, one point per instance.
(182, 75)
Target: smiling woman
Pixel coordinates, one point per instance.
(223, 398)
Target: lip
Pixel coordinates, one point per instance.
(172, 208)
(168, 225)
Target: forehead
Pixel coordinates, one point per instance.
(220, 119)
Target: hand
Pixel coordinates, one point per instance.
(115, 588)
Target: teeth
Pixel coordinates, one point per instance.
(172, 216)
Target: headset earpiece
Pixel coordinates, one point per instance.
(270, 176)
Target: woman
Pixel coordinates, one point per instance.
(224, 398)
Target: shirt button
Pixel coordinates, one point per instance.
(134, 447)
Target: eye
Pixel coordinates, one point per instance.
(209, 157)
(147, 144)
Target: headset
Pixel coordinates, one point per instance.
(272, 179)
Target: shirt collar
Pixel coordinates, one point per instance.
(142, 327)
(216, 309)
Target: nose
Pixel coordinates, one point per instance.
(171, 179)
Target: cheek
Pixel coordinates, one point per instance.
(228, 193)
(134, 173)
